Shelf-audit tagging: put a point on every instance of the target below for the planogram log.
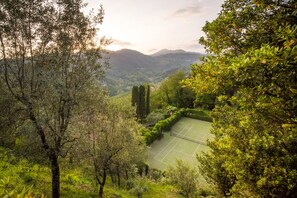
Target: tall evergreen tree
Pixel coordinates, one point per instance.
(147, 101)
(141, 102)
(134, 98)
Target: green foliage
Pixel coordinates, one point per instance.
(162, 126)
(154, 117)
(22, 178)
(205, 101)
(116, 146)
(138, 187)
(198, 114)
(206, 192)
(155, 174)
(134, 95)
(147, 100)
(141, 102)
(214, 171)
(49, 58)
(171, 92)
(141, 98)
(184, 178)
(252, 70)
(147, 188)
(9, 118)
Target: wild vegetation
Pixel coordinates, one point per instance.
(62, 135)
(252, 71)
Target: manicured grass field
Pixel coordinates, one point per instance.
(164, 152)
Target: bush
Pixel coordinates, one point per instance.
(142, 168)
(198, 114)
(184, 178)
(154, 117)
(161, 126)
(165, 125)
(206, 192)
(130, 184)
(136, 186)
(155, 174)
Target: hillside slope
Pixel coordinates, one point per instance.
(130, 67)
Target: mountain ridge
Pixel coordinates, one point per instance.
(130, 67)
(167, 51)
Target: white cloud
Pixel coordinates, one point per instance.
(195, 46)
(120, 43)
(188, 11)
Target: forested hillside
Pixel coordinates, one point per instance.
(129, 67)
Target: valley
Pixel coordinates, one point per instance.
(130, 67)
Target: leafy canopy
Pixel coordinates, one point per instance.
(252, 69)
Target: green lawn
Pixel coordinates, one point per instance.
(164, 152)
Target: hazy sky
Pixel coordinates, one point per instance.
(152, 25)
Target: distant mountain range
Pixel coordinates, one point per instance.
(166, 51)
(130, 67)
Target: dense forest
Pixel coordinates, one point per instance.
(62, 135)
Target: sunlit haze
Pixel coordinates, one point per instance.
(149, 26)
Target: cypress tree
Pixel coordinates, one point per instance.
(147, 101)
(141, 102)
(134, 98)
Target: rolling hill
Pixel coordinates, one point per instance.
(129, 67)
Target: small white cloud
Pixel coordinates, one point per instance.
(152, 50)
(120, 43)
(187, 11)
(196, 47)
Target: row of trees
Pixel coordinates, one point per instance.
(141, 99)
(50, 66)
(252, 69)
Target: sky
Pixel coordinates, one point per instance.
(152, 25)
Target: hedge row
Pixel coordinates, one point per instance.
(198, 114)
(165, 125)
(162, 126)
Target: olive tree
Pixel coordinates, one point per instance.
(48, 56)
(112, 143)
(184, 178)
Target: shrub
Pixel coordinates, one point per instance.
(206, 192)
(139, 187)
(130, 184)
(165, 125)
(184, 178)
(155, 174)
(161, 126)
(154, 117)
(198, 114)
(142, 168)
